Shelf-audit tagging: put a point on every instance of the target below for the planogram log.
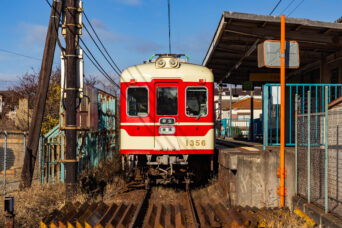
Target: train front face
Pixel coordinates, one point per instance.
(167, 119)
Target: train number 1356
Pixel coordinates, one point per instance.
(190, 142)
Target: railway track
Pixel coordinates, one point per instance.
(151, 212)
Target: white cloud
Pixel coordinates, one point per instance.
(98, 23)
(102, 31)
(33, 34)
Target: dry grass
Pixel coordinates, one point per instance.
(33, 204)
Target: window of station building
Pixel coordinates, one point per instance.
(167, 101)
(196, 101)
(137, 101)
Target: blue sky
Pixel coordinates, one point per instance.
(133, 30)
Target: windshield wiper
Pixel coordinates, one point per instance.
(199, 116)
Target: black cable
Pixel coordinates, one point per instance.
(92, 28)
(101, 51)
(168, 7)
(295, 8)
(287, 7)
(18, 54)
(103, 71)
(276, 6)
(99, 67)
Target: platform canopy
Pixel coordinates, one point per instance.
(232, 54)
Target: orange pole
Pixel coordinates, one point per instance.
(282, 172)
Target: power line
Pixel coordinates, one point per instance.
(105, 74)
(169, 19)
(276, 6)
(87, 19)
(18, 54)
(98, 68)
(287, 7)
(295, 8)
(115, 70)
(94, 60)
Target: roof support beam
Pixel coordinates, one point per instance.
(314, 65)
(237, 65)
(264, 33)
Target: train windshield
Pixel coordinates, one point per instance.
(137, 101)
(167, 101)
(196, 101)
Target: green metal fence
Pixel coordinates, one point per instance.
(235, 127)
(318, 150)
(96, 137)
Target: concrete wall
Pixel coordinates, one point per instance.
(15, 154)
(250, 178)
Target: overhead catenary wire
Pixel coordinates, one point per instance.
(105, 49)
(275, 7)
(18, 54)
(284, 10)
(295, 8)
(169, 20)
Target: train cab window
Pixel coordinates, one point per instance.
(167, 101)
(137, 101)
(196, 101)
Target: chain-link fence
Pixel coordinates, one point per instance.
(319, 153)
(12, 152)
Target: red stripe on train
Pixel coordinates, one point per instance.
(151, 130)
(159, 152)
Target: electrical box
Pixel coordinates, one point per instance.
(9, 204)
(269, 54)
(79, 72)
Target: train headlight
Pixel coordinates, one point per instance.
(161, 63)
(173, 62)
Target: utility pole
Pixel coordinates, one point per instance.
(43, 85)
(70, 100)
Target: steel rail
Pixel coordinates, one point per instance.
(193, 211)
(140, 212)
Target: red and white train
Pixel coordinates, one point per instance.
(167, 119)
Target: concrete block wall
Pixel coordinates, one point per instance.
(250, 178)
(15, 154)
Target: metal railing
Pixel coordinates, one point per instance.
(235, 127)
(318, 154)
(271, 108)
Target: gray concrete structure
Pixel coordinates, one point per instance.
(249, 176)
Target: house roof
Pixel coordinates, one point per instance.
(335, 103)
(232, 54)
(238, 91)
(246, 104)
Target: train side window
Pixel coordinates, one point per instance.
(137, 101)
(196, 101)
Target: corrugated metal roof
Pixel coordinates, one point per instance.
(232, 53)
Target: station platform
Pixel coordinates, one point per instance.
(248, 175)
